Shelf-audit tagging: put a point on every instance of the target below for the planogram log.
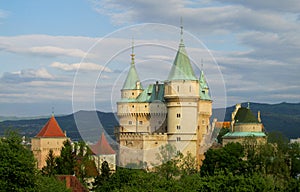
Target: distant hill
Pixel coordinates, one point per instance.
(283, 117)
(31, 127)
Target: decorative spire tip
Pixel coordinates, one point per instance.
(132, 52)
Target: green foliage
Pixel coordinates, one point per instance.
(17, 165)
(49, 169)
(227, 159)
(222, 132)
(50, 183)
(170, 160)
(66, 161)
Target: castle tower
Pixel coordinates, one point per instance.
(182, 95)
(204, 114)
(50, 137)
(244, 125)
(132, 86)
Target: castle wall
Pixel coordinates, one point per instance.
(41, 146)
(247, 127)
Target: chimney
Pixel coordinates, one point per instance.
(138, 85)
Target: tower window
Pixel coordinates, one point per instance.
(130, 122)
(178, 115)
(141, 122)
(178, 127)
(132, 93)
(178, 139)
(132, 106)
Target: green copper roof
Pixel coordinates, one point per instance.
(150, 94)
(153, 92)
(182, 68)
(244, 134)
(244, 115)
(203, 87)
(131, 79)
(132, 76)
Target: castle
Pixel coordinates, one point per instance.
(176, 111)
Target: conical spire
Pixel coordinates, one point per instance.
(51, 129)
(132, 80)
(203, 87)
(182, 68)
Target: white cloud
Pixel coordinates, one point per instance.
(46, 45)
(26, 75)
(80, 66)
(57, 51)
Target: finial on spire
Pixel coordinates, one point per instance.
(201, 64)
(181, 30)
(52, 111)
(132, 52)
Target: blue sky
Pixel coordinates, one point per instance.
(255, 44)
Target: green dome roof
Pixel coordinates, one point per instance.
(182, 68)
(131, 79)
(244, 115)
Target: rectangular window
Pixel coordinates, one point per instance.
(178, 127)
(130, 122)
(178, 139)
(178, 115)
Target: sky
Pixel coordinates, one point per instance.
(71, 55)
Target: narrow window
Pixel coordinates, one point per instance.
(178, 139)
(132, 93)
(130, 122)
(177, 88)
(203, 122)
(132, 106)
(178, 127)
(190, 89)
(178, 115)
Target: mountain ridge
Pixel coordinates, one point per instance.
(283, 117)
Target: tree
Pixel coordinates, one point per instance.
(17, 165)
(228, 159)
(188, 165)
(49, 169)
(102, 178)
(66, 161)
(170, 159)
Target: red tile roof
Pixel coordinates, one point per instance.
(102, 147)
(51, 129)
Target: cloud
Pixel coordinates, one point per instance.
(80, 66)
(272, 5)
(26, 75)
(46, 45)
(56, 51)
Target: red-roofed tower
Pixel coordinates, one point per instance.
(104, 152)
(49, 137)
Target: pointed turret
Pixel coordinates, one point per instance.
(132, 80)
(102, 147)
(51, 129)
(203, 87)
(182, 68)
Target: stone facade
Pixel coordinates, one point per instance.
(49, 138)
(176, 111)
(244, 125)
